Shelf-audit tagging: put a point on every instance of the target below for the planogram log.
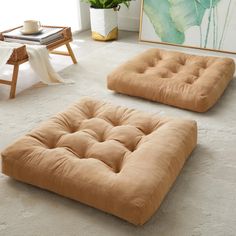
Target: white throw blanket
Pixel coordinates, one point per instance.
(38, 59)
(6, 50)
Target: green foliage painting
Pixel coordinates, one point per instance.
(172, 18)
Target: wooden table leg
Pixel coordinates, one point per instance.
(14, 80)
(71, 53)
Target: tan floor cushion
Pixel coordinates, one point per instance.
(182, 80)
(119, 160)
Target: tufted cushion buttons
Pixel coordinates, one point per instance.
(174, 70)
(124, 169)
(140, 71)
(151, 63)
(94, 133)
(165, 76)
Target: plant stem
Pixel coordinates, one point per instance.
(214, 28)
(200, 28)
(217, 25)
(208, 26)
(199, 23)
(225, 23)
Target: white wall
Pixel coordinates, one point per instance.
(83, 15)
(49, 12)
(72, 13)
(128, 19)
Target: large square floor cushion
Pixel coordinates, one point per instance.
(178, 79)
(116, 159)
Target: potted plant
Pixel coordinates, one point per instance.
(103, 16)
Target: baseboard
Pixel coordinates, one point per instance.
(128, 23)
(76, 32)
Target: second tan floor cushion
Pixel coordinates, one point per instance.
(186, 81)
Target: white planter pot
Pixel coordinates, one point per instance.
(104, 24)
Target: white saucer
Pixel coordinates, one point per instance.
(31, 33)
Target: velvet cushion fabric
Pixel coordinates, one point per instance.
(116, 159)
(178, 79)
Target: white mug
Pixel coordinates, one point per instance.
(31, 26)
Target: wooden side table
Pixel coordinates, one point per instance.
(19, 55)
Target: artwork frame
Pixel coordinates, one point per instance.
(206, 21)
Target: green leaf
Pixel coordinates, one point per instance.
(109, 3)
(187, 13)
(103, 4)
(158, 12)
(171, 18)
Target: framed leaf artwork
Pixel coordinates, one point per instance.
(206, 24)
